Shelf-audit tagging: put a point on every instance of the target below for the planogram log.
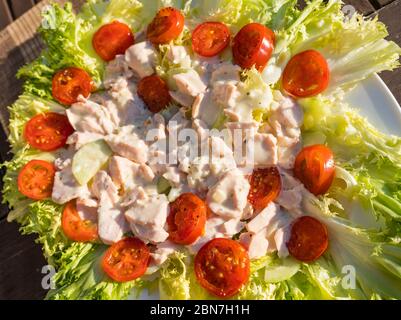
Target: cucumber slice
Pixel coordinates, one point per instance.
(89, 160)
(285, 271)
(163, 186)
(220, 121)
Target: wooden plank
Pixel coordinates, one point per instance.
(301, 4)
(5, 14)
(382, 3)
(21, 265)
(362, 6)
(19, 45)
(3, 207)
(390, 15)
(5, 155)
(19, 7)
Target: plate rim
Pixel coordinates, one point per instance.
(388, 92)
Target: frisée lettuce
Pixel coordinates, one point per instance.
(62, 32)
(26, 107)
(68, 40)
(371, 159)
(353, 46)
(80, 276)
(373, 256)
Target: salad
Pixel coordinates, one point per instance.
(203, 149)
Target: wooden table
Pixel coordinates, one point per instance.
(21, 259)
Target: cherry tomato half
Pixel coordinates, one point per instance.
(48, 131)
(166, 26)
(315, 168)
(36, 179)
(112, 39)
(253, 45)
(154, 92)
(69, 83)
(126, 260)
(222, 267)
(75, 228)
(187, 218)
(308, 240)
(210, 38)
(306, 74)
(265, 187)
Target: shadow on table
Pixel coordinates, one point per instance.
(21, 265)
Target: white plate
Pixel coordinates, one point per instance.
(374, 101)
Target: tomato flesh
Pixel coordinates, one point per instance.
(306, 74)
(166, 26)
(75, 228)
(265, 187)
(253, 46)
(154, 92)
(222, 267)
(48, 131)
(36, 179)
(308, 240)
(210, 38)
(187, 218)
(126, 260)
(112, 39)
(315, 168)
(68, 84)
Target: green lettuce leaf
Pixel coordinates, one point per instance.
(370, 161)
(315, 281)
(166, 68)
(62, 33)
(354, 47)
(329, 281)
(237, 13)
(364, 220)
(24, 109)
(373, 256)
(44, 219)
(68, 40)
(36, 217)
(78, 273)
(80, 276)
(17, 202)
(174, 281)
